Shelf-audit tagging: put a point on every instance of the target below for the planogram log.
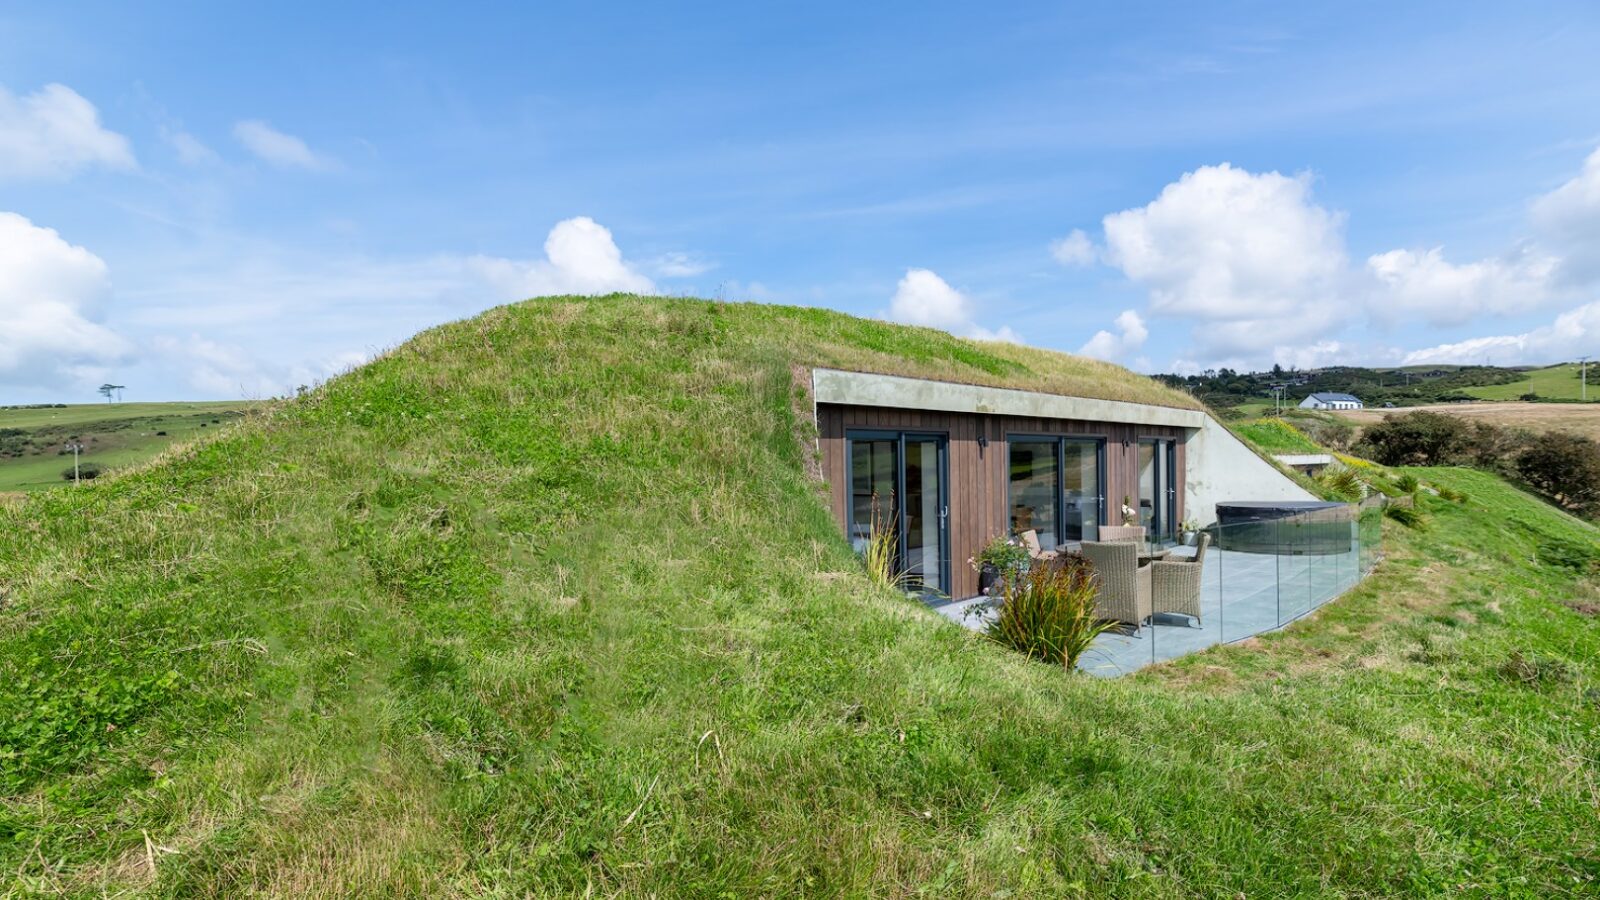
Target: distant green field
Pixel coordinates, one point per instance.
(33, 441)
(1553, 383)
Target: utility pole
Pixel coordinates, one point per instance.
(76, 448)
(1583, 376)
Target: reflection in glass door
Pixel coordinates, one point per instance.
(899, 481)
(925, 514)
(1081, 490)
(1158, 492)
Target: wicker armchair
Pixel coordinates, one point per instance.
(1133, 533)
(1030, 541)
(1175, 584)
(1124, 584)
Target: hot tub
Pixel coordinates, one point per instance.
(1285, 528)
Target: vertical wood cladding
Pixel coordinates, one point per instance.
(978, 476)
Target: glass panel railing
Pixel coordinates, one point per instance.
(1250, 578)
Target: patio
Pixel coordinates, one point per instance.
(1241, 594)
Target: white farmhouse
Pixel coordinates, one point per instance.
(1331, 401)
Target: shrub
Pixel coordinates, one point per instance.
(1564, 467)
(1417, 439)
(85, 472)
(1407, 483)
(1529, 397)
(1049, 612)
(1341, 484)
(1409, 516)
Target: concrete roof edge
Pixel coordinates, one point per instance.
(901, 392)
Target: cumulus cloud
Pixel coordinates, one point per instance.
(580, 258)
(52, 293)
(55, 132)
(923, 298)
(1569, 218)
(1572, 334)
(1129, 337)
(1074, 250)
(1424, 283)
(276, 148)
(1250, 257)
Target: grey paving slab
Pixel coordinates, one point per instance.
(1241, 594)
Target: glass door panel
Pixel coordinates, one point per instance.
(1081, 490)
(1033, 490)
(874, 475)
(1149, 487)
(925, 515)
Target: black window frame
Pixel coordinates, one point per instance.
(1060, 440)
(902, 549)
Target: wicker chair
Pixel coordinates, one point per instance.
(1133, 533)
(1124, 584)
(1175, 583)
(1030, 541)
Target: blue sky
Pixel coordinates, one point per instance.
(199, 203)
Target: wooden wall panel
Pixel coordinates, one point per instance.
(978, 476)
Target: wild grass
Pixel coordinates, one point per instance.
(1277, 436)
(1049, 613)
(544, 603)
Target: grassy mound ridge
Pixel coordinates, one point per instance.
(1276, 436)
(544, 603)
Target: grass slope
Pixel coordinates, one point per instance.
(1550, 383)
(113, 434)
(544, 603)
(1276, 436)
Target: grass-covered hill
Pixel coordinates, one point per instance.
(545, 603)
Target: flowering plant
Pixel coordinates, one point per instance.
(1005, 554)
(1130, 516)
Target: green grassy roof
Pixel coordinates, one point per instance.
(545, 603)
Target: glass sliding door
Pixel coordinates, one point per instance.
(1158, 488)
(1055, 488)
(1035, 489)
(1082, 492)
(925, 515)
(899, 484)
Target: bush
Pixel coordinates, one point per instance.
(85, 472)
(1418, 439)
(1407, 483)
(1049, 612)
(1409, 516)
(1564, 467)
(1341, 484)
(1006, 554)
(1529, 397)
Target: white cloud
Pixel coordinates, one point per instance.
(1224, 244)
(1130, 336)
(54, 132)
(1074, 250)
(923, 298)
(1426, 284)
(580, 258)
(279, 149)
(51, 293)
(680, 265)
(1569, 218)
(1572, 334)
(227, 370)
(191, 151)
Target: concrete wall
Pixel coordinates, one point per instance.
(1222, 468)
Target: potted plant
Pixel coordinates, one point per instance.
(1130, 515)
(1190, 529)
(1000, 560)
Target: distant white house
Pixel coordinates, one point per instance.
(1331, 401)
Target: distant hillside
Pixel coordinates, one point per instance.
(33, 439)
(548, 603)
(1252, 392)
(1554, 383)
